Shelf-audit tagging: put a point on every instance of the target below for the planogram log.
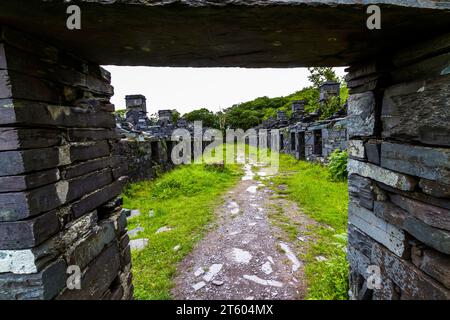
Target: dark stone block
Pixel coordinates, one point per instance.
(361, 115)
(97, 198)
(97, 277)
(373, 151)
(24, 112)
(89, 151)
(91, 246)
(413, 283)
(434, 188)
(423, 162)
(24, 138)
(429, 214)
(29, 181)
(85, 167)
(361, 190)
(79, 135)
(418, 111)
(28, 233)
(19, 162)
(22, 205)
(80, 186)
(433, 263)
(44, 285)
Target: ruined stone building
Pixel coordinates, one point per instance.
(61, 177)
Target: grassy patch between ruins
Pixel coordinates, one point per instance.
(183, 200)
(326, 202)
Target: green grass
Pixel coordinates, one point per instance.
(325, 201)
(183, 199)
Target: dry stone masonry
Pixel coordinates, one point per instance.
(61, 170)
(399, 186)
(60, 183)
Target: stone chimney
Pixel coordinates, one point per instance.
(329, 89)
(136, 101)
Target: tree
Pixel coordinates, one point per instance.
(175, 116)
(208, 118)
(318, 75)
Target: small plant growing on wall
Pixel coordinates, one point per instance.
(337, 165)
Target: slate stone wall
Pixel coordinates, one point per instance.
(144, 159)
(60, 184)
(399, 183)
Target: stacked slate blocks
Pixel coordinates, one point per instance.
(399, 183)
(60, 183)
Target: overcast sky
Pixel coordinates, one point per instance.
(186, 89)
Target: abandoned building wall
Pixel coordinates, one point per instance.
(144, 159)
(399, 184)
(60, 185)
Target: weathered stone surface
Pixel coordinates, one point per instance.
(25, 204)
(85, 167)
(378, 229)
(413, 282)
(91, 246)
(40, 286)
(361, 190)
(356, 149)
(418, 111)
(433, 263)
(244, 33)
(97, 198)
(431, 215)
(422, 70)
(388, 177)
(434, 188)
(19, 162)
(373, 151)
(424, 162)
(29, 181)
(87, 151)
(28, 233)
(361, 115)
(84, 135)
(97, 277)
(436, 238)
(443, 203)
(421, 50)
(33, 260)
(24, 138)
(24, 112)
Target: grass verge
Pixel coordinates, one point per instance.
(326, 202)
(184, 200)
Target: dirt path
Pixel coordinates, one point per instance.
(244, 256)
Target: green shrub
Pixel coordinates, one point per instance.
(338, 165)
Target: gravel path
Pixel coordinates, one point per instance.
(243, 256)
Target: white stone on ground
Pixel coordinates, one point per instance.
(251, 224)
(199, 285)
(296, 264)
(263, 282)
(252, 189)
(217, 283)
(138, 244)
(163, 229)
(212, 272)
(177, 248)
(241, 256)
(270, 259)
(234, 211)
(134, 213)
(199, 272)
(321, 258)
(267, 268)
(134, 232)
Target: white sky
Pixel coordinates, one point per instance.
(186, 89)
